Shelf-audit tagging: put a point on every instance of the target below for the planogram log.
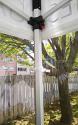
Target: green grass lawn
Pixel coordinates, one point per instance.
(52, 113)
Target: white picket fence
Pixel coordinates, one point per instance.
(17, 94)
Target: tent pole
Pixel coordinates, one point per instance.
(38, 74)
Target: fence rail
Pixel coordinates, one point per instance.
(17, 94)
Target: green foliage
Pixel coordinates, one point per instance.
(76, 61)
(50, 51)
(13, 46)
(10, 46)
(67, 46)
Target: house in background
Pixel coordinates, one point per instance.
(8, 66)
(23, 70)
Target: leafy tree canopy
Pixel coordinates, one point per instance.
(60, 48)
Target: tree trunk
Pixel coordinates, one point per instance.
(66, 111)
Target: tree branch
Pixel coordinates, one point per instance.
(55, 46)
(47, 57)
(73, 52)
(63, 44)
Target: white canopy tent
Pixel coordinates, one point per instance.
(60, 17)
(58, 20)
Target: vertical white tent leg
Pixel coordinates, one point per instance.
(38, 73)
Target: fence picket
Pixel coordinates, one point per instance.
(17, 94)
